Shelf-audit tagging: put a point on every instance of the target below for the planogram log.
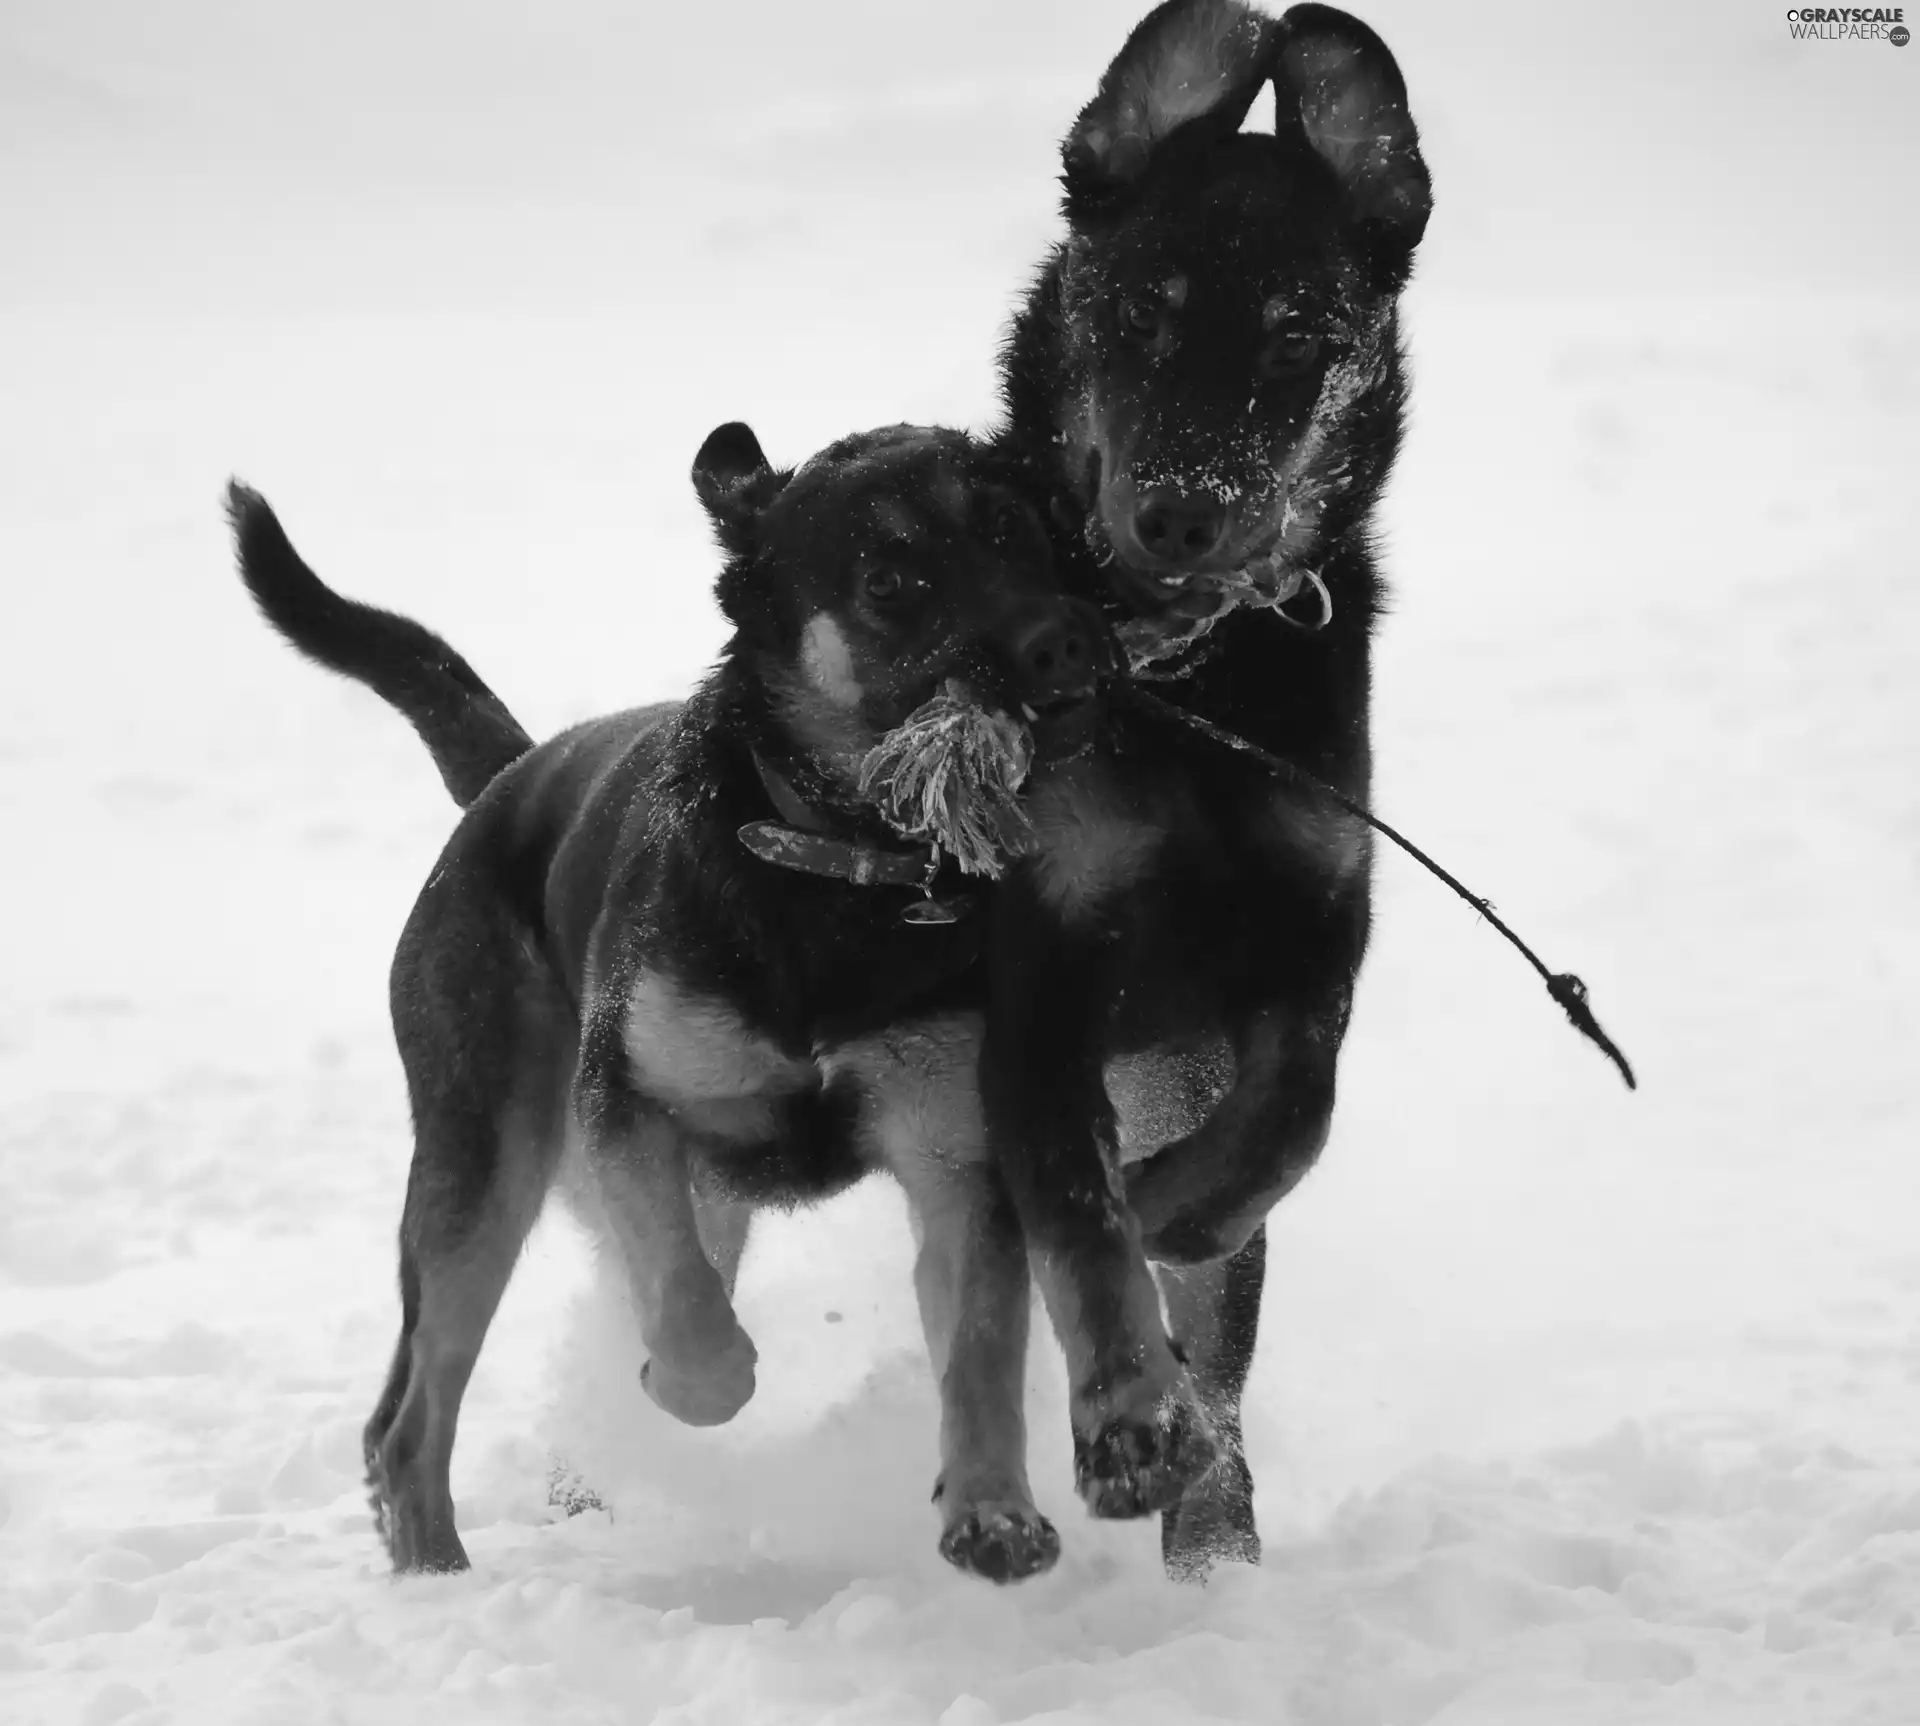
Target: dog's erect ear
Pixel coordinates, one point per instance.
(1334, 79)
(1187, 63)
(736, 482)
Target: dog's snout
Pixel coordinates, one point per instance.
(1057, 651)
(1177, 528)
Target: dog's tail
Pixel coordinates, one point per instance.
(462, 722)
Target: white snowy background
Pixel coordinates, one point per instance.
(1571, 1406)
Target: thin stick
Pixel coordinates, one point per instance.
(1566, 989)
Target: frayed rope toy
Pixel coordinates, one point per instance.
(950, 774)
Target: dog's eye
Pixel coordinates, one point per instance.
(1290, 352)
(884, 584)
(1140, 318)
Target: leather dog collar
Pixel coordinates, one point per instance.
(838, 859)
(797, 842)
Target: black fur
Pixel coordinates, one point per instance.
(1208, 371)
(596, 953)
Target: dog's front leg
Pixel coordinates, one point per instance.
(1140, 1437)
(970, 1274)
(917, 1108)
(700, 1365)
(1202, 1197)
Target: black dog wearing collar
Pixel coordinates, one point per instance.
(663, 957)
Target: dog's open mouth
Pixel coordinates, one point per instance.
(1064, 725)
(1055, 707)
(1162, 596)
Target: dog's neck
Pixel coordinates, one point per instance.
(808, 793)
(788, 804)
(778, 768)
(818, 823)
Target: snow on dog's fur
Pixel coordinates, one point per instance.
(1209, 368)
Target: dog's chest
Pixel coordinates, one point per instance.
(1089, 844)
(1309, 832)
(695, 1054)
(919, 1091)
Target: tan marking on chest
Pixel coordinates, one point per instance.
(696, 1056)
(1087, 845)
(920, 1092)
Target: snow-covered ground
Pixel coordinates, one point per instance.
(1571, 1406)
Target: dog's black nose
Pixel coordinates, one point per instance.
(1176, 528)
(1057, 652)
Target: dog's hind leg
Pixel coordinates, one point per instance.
(454, 1266)
(486, 1041)
(1214, 1312)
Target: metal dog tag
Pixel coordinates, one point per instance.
(933, 911)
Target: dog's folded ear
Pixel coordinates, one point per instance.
(735, 482)
(1335, 81)
(1188, 64)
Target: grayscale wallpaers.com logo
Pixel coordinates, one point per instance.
(1850, 23)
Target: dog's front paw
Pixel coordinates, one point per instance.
(1155, 1189)
(707, 1391)
(1175, 1230)
(1002, 1540)
(1213, 1523)
(1142, 1458)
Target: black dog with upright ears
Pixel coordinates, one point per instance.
(663, 959)
(1208, 371)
